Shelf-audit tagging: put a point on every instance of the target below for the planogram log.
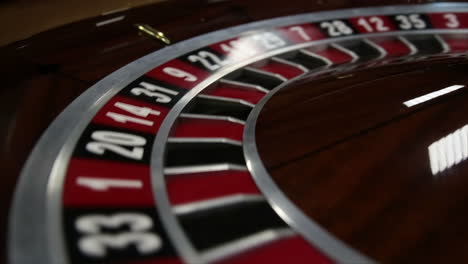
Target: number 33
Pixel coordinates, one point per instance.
(96, 244)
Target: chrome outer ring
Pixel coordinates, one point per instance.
(285, 208)
(38, 194)
(311, 231)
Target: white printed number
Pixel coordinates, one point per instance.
(244, 47)
(115, 142)
(209, 60)
(180, 74)
(301, 32)
(336, 28)
(135, 110)
(269, 40)
(160, 93)
(372, 24)
(95, 244)
(452, 21)
(103, 184)
(413, 21)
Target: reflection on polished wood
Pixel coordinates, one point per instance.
(354, 158)
(41, 15)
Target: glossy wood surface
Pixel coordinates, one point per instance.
(353, 157)
(43, 74)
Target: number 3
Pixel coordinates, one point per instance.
(452, 21)
(95, 244)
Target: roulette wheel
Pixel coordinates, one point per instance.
(239, 132)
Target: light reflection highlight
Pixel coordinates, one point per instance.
(252, 45)
(449, 150)
(430, 96)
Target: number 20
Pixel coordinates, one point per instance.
(114, 142)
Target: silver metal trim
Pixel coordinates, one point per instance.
(33, 242)
(383, 53)
(204, 140)
(245, 244)
(274, 75)
(203, 168)
(286, 209)
(347, 51)
(245, 85)
(225, 99)
(290, 63)
(410, 45)
(445, 46)
(212, 117)
(313, 55)
(211, 204)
